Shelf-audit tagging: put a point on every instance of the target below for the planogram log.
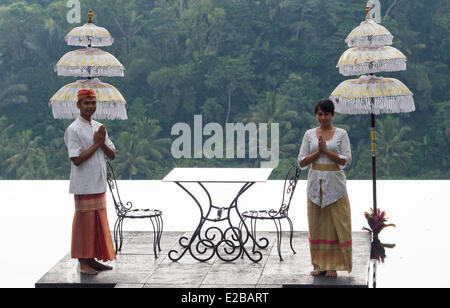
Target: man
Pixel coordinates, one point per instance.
(88, 143)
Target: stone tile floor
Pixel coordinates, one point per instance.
(136, 267)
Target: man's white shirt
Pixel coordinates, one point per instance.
(90, 176)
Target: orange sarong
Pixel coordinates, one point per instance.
(330, 236)
(91, 236)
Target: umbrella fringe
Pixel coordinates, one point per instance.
(388, 104)
(393, 65)
(90, 71)
(108, 111)
(85, 40)
(368, 41)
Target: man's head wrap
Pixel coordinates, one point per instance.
(86, 93)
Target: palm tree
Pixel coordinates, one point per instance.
(13, 94)
(5, 144)
(273, 110)
(59, 164)
(29, 160)
(231, 74)
(129, 162)
(150, 144)
(393, 147)
(142, 151)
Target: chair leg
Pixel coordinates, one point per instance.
(155, 237)
(160, 231)
(260, 246)
(121, 233)
(292, 232)
(253, 224)
(255, 243)
(116, 231)
(279, 236)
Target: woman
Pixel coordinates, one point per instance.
(327, 149)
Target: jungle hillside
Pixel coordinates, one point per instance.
(236, 61)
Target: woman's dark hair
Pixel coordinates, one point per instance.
(326, 105)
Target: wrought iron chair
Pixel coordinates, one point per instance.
(276, 216)
(127, 211)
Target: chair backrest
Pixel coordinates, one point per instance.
(121, 209)
(290, 183)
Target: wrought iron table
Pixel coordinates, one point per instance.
(202, 246)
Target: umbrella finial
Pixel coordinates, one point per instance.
(90, 16)
(368, 9)
(374, 8)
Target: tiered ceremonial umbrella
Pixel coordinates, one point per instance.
(362, 60)
(369, 34)
(89, 62)
(89, 35)
(110, 103)
(370, 94)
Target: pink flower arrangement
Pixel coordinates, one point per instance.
(377, 222)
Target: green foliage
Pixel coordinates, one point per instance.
(394, 150)
(141, 151)
(229, 75)
(28, 160)
(231, 61)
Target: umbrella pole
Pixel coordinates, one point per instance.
(374, 169)
(89, 46)
(374, 184)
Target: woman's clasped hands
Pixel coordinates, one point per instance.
(322, 145)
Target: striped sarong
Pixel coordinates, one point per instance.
(91, 236)
(87, 203)
(330, 234)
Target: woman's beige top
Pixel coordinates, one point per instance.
(333, 182)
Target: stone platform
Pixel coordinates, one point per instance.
(136, 267)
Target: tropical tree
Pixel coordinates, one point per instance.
(141, 152)
(23, 31)
(173, 86)
(203, 26)
(393, 146)
(58, 161)
(150, 143)
(275, 110)
(5, 144)
(13, 93)
(229, 75)
(29, 159)
(129, 163)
